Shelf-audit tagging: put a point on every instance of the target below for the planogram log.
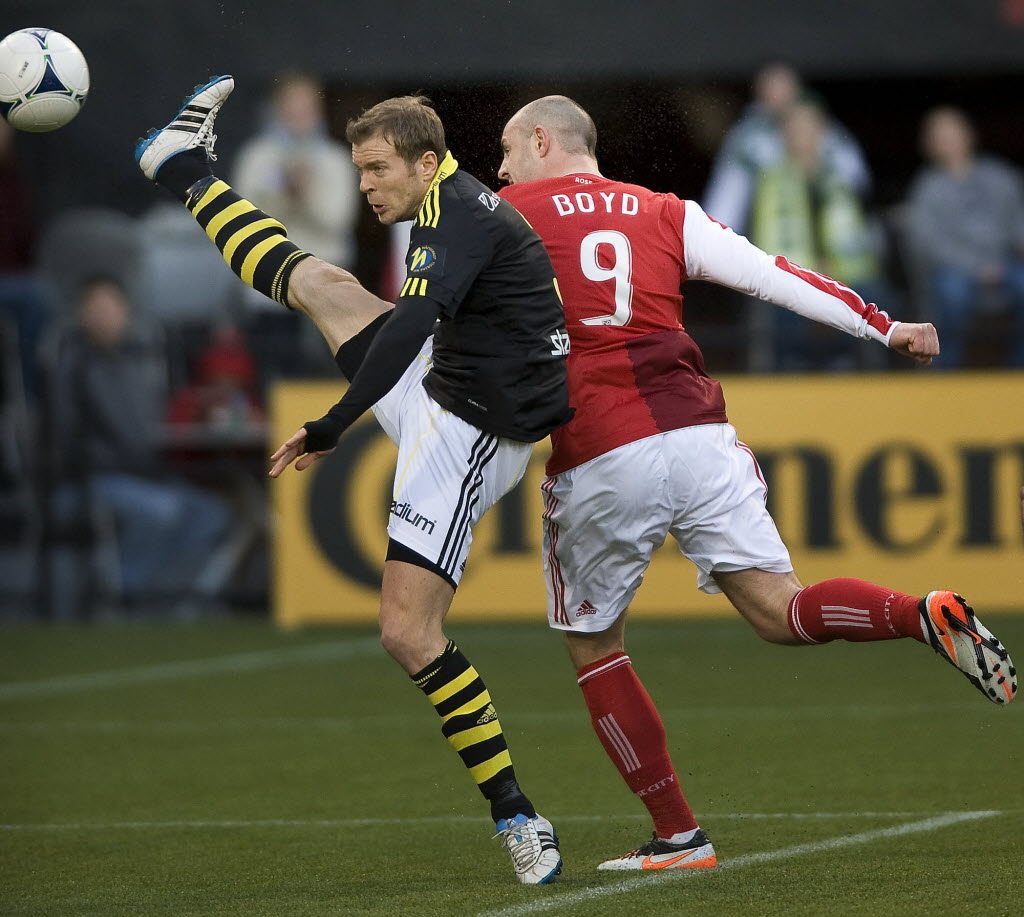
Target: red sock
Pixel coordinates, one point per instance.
(632, 733)
(851, 609)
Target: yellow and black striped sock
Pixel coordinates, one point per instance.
(471, 726)
(256, 247)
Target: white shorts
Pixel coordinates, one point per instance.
(449, 472)
(604, 519)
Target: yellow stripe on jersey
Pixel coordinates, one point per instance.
(558, 291)
(423, 217)
(414, 286)
(436, 205)
(430, 209)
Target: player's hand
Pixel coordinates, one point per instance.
(295, 448)
(920, 342)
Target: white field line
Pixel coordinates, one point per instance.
(187, 668)
(574, 899)
(433, 820)
(258, 660)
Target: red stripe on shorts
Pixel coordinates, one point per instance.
(557, 583)
(757, 468)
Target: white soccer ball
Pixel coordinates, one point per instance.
(44, 79)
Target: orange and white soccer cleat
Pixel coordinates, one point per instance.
(697, 853)
(956, 634)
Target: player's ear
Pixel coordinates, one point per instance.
(428, 164)
(541, 141)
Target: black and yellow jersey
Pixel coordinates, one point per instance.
(500, 345)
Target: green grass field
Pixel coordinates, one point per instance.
(227, 768)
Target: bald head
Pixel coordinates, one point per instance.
(565, 119)
(550, 136)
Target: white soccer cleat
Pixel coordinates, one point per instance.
(533, 845)
(191, 127)
(956, 634)
(696, 853)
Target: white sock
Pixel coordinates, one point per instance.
(682, 837)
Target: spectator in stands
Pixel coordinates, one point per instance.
(755, 143)
(806, 209)
(223, 395)
(21, 299)
(108, 403)
(966, 219)
(303, 176)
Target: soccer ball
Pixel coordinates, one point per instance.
(44, 79)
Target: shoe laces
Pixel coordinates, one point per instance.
(657, 845)
(644, 850)
(207, 139)
(205, 135)
(523, 844)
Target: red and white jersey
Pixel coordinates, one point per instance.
(621, 254)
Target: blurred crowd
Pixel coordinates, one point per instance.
(797, 183)
(135, 373)
(135, 367)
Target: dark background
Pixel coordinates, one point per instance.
(663, 80)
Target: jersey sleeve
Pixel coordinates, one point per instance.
(714, 252)
(444, 259)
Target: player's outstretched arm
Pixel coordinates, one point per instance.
(714, 252)
(394, 347)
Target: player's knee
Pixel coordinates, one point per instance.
(585, 649)
(398, 643)
(763, 598)
(312, 280)
(407, 642)
(770, 623)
